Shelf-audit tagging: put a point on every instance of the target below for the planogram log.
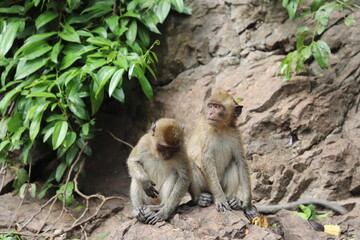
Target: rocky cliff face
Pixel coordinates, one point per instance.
(302, 136)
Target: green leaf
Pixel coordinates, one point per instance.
(41, 95)
(45, 18)
(59, 134)
(145, 84)
(99, 41)
(323, 45)
(150, 21)
(21, 176)
(60, 170)
(79, 111)
(15, 122)
(292, 7)
(7, 37)
(104, 75)
(319, 55)
(131, 32)
(285, 3)
(68, 60)
(113, 24)
(69, 34)
(349, 21)
(48, 133)
(69, 139)
(162, 10)
(55, 52)
(25, 68)
(22, 191)
(119, 95)
(102, 235)
(70, 155)
(144, 35)
(36, 120)
(316, 4)
(115, 81)
(101, 31)
(301, 30)
(44, 189)
(39, 37)
(178, 4)
(300, 41)
(3, 144)
(32, 190)
(15, 9)
(96, 101)
(36, 52)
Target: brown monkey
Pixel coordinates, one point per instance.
(160, 171)
(219, 164)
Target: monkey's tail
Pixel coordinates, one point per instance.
(324, 203)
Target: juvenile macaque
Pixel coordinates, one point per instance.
(219, 164)
(160, 171)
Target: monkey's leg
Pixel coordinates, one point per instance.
(230, 184)
(139, 200)
(165, 192)
(198, 187)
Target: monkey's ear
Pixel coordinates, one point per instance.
(238, 110)
(152, 129)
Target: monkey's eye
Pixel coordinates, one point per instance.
(218, 106)
(210, 105)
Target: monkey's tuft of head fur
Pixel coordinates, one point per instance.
(221, 96)
(169, 131)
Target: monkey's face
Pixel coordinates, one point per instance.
(167, 151)
(215, 113)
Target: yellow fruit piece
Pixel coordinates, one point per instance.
(332, 229)
(260, 221)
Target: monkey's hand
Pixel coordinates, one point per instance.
(149, 189)
(234, 203)
(205, 200)
(156, 217)
(251, 212)
(142, 213)
(222, 205)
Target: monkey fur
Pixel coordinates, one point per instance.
(160, 172)
(218, 159)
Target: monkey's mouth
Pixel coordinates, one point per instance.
(212, 120)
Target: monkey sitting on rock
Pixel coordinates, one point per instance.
(219, 165)
(160, 172)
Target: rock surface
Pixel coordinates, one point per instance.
(302, 137)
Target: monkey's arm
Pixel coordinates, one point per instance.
(137, 172)
(327, 204)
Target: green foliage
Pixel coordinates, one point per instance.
(10, 236)
(309, 213)
(59, 60)
(307, 46)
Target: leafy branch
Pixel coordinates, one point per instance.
(307, 44)
(59, 62)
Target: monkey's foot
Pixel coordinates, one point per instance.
(155, 217)
(234, 203)
(251, 212)
(143, 213)
(222, 206)
(205, 200)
